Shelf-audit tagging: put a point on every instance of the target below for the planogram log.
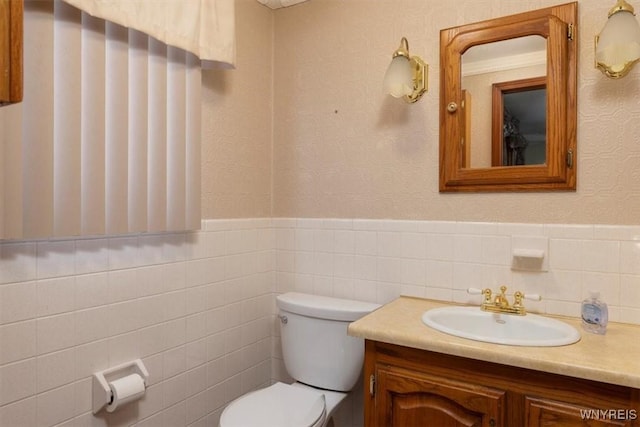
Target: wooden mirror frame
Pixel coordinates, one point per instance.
(11, 16)
(558, 25)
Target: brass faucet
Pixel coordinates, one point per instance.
(500, 303)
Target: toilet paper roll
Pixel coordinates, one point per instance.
(125, 390)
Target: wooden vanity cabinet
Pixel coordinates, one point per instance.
(407, 387)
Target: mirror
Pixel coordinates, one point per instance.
(508, 103)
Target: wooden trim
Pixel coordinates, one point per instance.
(552, 24)
(11, 28)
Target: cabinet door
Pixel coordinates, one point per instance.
(542, 412)
(408, 398)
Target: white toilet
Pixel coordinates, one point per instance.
(325, 362)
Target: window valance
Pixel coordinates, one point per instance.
(205, 28)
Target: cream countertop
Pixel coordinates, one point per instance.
(612, 358)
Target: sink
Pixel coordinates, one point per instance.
(475, 324)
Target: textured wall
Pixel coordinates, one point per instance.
(236, 123)
(344, 149)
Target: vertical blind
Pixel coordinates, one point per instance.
(107, 138)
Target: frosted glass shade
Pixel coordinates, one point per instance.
(618, 44)
(398, 80)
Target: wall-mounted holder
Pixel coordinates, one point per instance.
(529, 253)
(119, 385)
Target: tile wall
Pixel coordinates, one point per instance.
(198, 307)
(195, 307)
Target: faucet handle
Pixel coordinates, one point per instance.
(474, 291)
(533, 297)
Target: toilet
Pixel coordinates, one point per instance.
(318, 354)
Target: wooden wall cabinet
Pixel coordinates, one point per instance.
(408, 387)
(11, 17)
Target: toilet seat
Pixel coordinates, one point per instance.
(276, 406)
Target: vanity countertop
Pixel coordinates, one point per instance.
(612, 358)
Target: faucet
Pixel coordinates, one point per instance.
(500, 303)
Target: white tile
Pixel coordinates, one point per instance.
(17, 262)
(175, 304)
(520, 229)
(366, 242)
(601, 256)
(174, 362)
(485, 228)
(344, 241)
(565, 254)
(196, 353)
(91, 358)
(467, 275)
(17, 341)
(304, 239)
(439, 274)
(17, 302)
(387, 292)
(174, 247)
(91, 290)
(55, 258)
(56, 295)
(565, 286)
(616, 232)
(630, 291)
(241, 241)
(323, 263)
(123, 253)
(343, 288)
(92, 255)
(305, 262)
(17, 381)
(123, 285)
(414, 245)
(414, 272)
(440, 247)
(20, 413)
(467, 248)
(365, 267)
(366, 290)
(174, 390)
(55, 333)
(285, 239)
(569, 231)
(343, 265)
(323, 240)
(91, 324)
(440, 294)
(55, 369)
(152, 402)
(151, 250)
(123, 348)
(124, 317)
(630, 257)
(389, 244)
(496, 250)
(55, 406)
(389, 270)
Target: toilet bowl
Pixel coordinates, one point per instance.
(325, 362)
(282, 405)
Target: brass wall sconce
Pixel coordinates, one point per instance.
(406, 76)
(618, 45)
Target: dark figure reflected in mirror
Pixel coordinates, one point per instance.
(515, 143)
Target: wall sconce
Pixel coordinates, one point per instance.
(618, 45)
(407, 75)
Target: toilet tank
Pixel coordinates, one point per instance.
(316, 348)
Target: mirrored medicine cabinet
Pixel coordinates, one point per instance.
(508, 103)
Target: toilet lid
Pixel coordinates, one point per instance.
(279, 405)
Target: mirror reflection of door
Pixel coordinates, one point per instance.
(483, 66)
(519, 122)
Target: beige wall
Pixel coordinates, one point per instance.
(236, 122)
(344, 149)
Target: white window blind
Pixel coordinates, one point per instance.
(107, 139)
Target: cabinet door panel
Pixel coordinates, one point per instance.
(416, 399)
(547, 413)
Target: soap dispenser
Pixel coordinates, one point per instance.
(595, 314)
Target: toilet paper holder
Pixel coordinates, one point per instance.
(102, 394)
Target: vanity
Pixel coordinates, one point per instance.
(415, 375)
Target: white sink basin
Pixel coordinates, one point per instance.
(475, 324)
